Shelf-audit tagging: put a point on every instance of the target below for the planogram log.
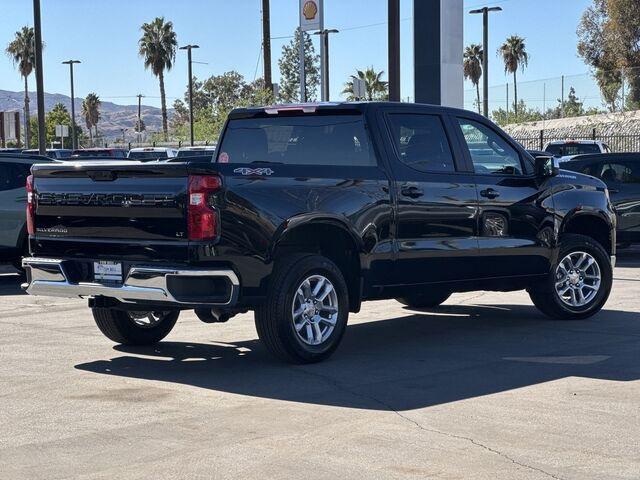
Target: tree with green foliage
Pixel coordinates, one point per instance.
(289, 64)
(375, 87)
(525, 114)
(91, 114)
(157, 47)
(213, 99)
(59, 115)
(22, 51)
(571, 107)
(609, 33)
(514, 55)
(472, 67)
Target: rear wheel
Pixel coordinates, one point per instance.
(135, 328)
(429, 299)
(306, 310)
(579, 284)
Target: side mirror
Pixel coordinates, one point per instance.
(547, 166)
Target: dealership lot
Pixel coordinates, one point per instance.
(484, 387)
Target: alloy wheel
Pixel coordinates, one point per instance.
(315, 310)
(578, 279)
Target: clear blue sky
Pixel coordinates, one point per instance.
(104, 33)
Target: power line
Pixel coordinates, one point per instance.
(346, 29)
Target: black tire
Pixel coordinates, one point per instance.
(429, 299)
(548, 301)
(274, 319)
(17, 262)
(120, 326)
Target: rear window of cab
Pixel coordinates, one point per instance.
(337, 140)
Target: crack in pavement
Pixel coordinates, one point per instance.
(406, 418)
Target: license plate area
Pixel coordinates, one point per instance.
(106, 271)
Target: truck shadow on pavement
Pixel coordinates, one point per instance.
(421, 359)
(10, 283)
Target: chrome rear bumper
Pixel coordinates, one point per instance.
(47, 277)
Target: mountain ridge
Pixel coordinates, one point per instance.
(114, 117)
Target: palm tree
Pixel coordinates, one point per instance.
(376, 88)
(91, 113)
(157, 47)
(472, 66)
(22, 52)
(514, 55)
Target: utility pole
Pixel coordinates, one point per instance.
(188, 48)
(73, 104)
(37, 27)
(139, 129)
(303, 79)
(324, 58)
(562, 94)
(266, 45)
(394, 50)
(485, 54)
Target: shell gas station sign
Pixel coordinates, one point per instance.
(311, 15)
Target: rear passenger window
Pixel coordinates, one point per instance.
(13, 175)
(421, 142)
(489, 152)
(298, 140)
(619, 172)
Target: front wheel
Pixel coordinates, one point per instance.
(579, 284)
(134, 328)
(305, 314)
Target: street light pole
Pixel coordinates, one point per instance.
(73, 104)
(485, 54)
(188, 48)
(324, 39)
(37, 28)
(139, 129)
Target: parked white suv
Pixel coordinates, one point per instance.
(565, 150)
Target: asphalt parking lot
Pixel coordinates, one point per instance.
(483, 388)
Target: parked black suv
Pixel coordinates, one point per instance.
(306, 211)
(621, 173)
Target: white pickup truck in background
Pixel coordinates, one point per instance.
(565, 150)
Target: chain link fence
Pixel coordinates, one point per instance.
(598, 92)
(616, 143)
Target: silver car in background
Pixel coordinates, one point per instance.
(14, 170)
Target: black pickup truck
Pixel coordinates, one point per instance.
(306, 211)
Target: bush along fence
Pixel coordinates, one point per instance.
(617, 143)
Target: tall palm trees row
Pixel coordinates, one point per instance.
(513, 53)
(22, 51)
(157, 47)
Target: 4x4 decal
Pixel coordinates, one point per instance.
(253, 171)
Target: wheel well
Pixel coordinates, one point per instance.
(591, 226)
(332, 242)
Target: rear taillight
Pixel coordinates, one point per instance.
(202, 218)
(31, 207)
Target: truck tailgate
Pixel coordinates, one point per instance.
(111, 209)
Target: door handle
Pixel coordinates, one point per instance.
(411, 191)
(490, 193)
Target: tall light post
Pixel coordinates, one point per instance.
(324, 39)
(37, 28)
(139, 126)
(73, 104)
(485, 54)
(188, 48)
(394, 49)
